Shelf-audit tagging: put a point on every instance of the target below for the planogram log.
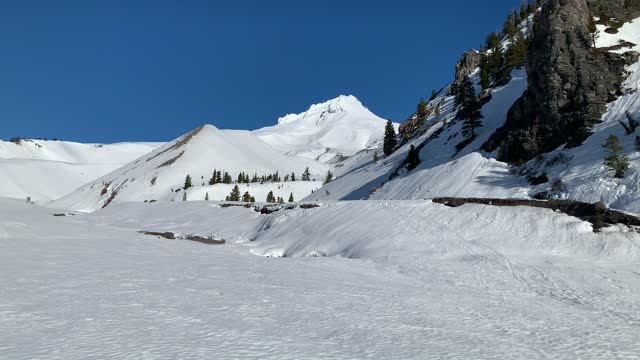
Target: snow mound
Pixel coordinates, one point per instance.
(328, 131)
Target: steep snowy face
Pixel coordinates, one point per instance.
(161, 174)
(45, 170)
(329, 131)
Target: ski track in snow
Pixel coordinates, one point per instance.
(414, 281)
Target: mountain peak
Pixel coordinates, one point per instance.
(342, 103)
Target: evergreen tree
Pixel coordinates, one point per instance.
(252, 199)
(422, 110)
(291, 198)
(375, 156)
(293, 176)
(485, 77)
(206, 197)
(227, 178)
(413, 158)
(433, 96)
(329, 177)
(187, 182)
(306, 175)
(246, 197)
(212, 181)
(615, 161)
(235, 194)
(389, 138)
(518, 51)
(270, 197)
(219, 177)
(511, 25)
(471, 109)
(493, 41)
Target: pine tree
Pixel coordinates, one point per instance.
(472, 122)
(493, 41)
(219, 177)
(471, 109)
(246, 197)
(421, 111)
(389, 138)
(413, 158)
(227, 178)
(235, 194)
(518, 51)
(293, 176)
(252, 199)
(212, 181)
(615, 161)
(291, 198)
(187, 182)
(270, 197)
(206, 197)
(306, 175)
(375, 156)
(329, 177)
(280, 200)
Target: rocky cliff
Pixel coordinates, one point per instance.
(570, 83)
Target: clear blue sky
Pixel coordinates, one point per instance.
(134, 70)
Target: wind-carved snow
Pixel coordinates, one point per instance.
(329, 131)
(46, 170)
(374, 279)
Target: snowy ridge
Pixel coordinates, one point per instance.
(161, 174)
(328, 131)
(46, 170)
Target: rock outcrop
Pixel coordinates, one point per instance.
(570, 84)
(623, 10)
(467, 64)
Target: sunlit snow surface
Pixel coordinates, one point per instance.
(389, 280)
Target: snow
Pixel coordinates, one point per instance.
(444, 171)
(328, 131)
(364, 279)
(65, 165)
(299, 189)
(160, 174)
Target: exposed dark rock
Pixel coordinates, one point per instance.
(597, 214)
(570, 85)
(624, 10)
(467, 64)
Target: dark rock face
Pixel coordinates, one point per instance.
(570, 84)
(624, 10)
(469, 61)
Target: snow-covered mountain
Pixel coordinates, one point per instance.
(46, 170)
(327, 132)
(160, 175)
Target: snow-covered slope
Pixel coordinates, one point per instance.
(444, 171)
(161, 174)
(577, 173)
(367, 279)
(328, 131)
(45, 170)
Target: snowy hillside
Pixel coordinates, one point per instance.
(327, 132)
(46, 170)
(160, 175)
(578, 173)
(376, 279)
